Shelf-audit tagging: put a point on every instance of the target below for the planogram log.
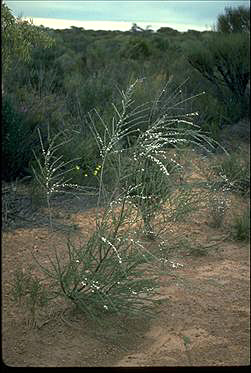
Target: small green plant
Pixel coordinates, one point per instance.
(187, 342)
(217, 209)
(234, 171)
(51, 170)
(29, 291)
(241, 226)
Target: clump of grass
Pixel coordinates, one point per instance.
(241, 226)
(29, 291)
(187, 342)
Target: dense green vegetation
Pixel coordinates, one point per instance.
(56, 78)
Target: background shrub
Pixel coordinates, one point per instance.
(16, 151)
(234, 20)
(86, 69)
(234, 171)
(241, 226)
(224, 60)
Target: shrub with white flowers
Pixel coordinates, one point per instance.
(110, 271)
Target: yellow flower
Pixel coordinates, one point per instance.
(85, 175)
(77, 168)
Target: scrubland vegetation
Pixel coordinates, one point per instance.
(119, 116)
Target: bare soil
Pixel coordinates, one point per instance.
(206, 300)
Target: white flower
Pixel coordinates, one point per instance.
(114, 248)
(176, 265)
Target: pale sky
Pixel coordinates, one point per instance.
(119, 15)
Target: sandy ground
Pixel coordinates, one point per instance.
(206, 301)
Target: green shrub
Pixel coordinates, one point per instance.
(84, 148)
(16, 150)
(143, 168)
(224, 60)
(43, 108)
(234, 20)
(109, 272)
(19, 37)
(105, 274)
(161, 43)
(234, 170)
(212, 114)
(137, 48)
(241, 226)
(168, 31)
